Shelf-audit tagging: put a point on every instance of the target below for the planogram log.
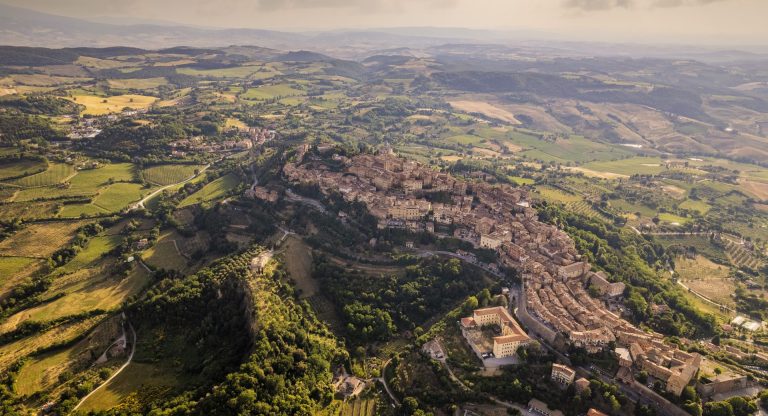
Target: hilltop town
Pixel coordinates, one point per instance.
(553, 303)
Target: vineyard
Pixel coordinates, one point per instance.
(740, 256)
(56, 173)
(584, 208)
(358, 407)
(169, 174)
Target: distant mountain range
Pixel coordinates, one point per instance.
(24, 27)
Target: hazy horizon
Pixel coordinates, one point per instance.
(704, 22)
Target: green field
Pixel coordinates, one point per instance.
(521, 181)
(169, 174)
(96, 105)
(105, 294)
(164, 255)
(574, 148)
(39, 240)
(137, 84)
(93, 251)
(556, 195)
(672, 218)
(91, 180)
(358, 407)
(37, 374)
(213, 190)
(269, 92)
(632, 208)
(119, 196)
(253, 72)
(55, 173)
(695, 205)
(135, 376)
(11, 352)
(13, 269)
(465, 139)
(21, 168)
(631, 166)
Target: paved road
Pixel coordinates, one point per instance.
(140, 204)
(704, 298)
(116, 373)
(383, 381)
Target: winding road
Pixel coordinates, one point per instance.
(140, 204)
(115, 374)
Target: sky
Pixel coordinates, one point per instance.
(652, 21)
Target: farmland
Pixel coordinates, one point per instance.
(269, 92)
(165, 255)
(39, 240)
(103, 293)
(169, 174)
(212, 191)
(95, 105)
(134, 377)
(59, 334)
(56, 173)
(137, 84)
(254, 72)
(358, 407)
(19, 168)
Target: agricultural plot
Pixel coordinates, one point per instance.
(486, 109)
(631, 166)
(10, 353)
(91, 180)
(169, 174)
(740, 256)
(298, 262)
(165, 255)
(585, 208)
(212, 191)
(42, 80)
(119, 196)
(105, 295)
(358, 407)
(56, 173)
(700, 243)
(130, 380)
(96, 248)
(269, 92)
(80, 211)
(695, 205)
(250, 71)
(15, 269)
(29, 210)
(464, 139)
(39, 240)
(137, 84)
(22, 167)
(96, 105)
(574, 148)
(556, 195)
(41, 372)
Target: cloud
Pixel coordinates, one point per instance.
(592, 5)
(597, 5)
(379, 5)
